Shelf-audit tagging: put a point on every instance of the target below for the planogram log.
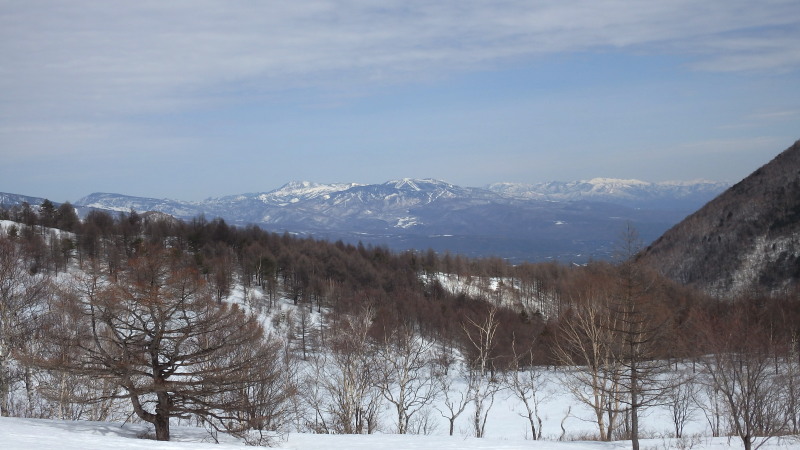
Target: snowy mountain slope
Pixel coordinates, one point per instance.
(7, 200)
(506, 291)
(292, 192)
(126, 203)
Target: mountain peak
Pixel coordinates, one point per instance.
(617, 182)
(311, 188)
(295, 184)
(417, 184)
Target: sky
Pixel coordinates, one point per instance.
(190, 99)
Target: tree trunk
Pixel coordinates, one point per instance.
(29, 390)
(634, 426)
(634, 407)
(161, 423)
(161, 419)
(533, 425)
(477, 420)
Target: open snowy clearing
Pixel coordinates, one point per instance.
(53, 434)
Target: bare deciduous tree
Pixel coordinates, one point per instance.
(793, 385)
(527, 382)
(155, 331)
(708, 400)
(74, 396)
(454, 400)
(592, 372)
(637, 328)
(347, 401)
(680, 400)
(267, 403)
(405, 376)
(481, 375)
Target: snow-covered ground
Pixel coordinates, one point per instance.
(507, 291)
(52, 434)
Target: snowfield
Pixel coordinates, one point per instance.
(52, 434)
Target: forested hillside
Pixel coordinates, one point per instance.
(145, 316)
(744, 242)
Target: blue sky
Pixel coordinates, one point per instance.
(194, 99)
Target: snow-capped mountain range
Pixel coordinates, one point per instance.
(634, 193)
(408, 192)
(565, 220)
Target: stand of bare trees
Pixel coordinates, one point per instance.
(753, 378)
(22, 296)
(346, 399)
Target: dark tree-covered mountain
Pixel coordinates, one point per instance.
(745, 241)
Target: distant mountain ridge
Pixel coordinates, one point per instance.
(745, 241)
(635, 193)
(665, 195)
(572, 221)
(8, 200)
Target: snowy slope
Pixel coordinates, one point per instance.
(69, 435)
(292, 192)
(126, 203)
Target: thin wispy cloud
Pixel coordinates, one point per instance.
(112, 76)
(130, 57)
(777, 115)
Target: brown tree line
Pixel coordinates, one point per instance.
(149, 323)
